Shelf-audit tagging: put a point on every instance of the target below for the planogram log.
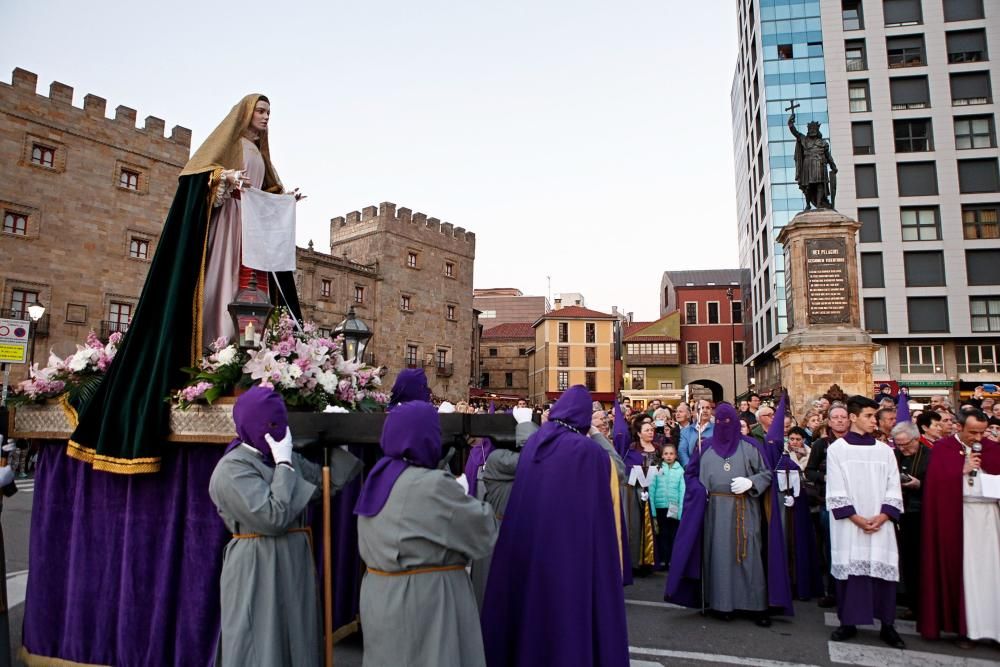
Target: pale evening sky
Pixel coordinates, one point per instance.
(586, 141)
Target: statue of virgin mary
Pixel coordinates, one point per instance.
(195, 273)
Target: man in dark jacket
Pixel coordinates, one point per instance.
(838, 424)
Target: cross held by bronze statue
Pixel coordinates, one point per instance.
(793, 107)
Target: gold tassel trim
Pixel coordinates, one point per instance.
(113, 464)
(69, 411)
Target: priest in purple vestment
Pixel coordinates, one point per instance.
(554, 595)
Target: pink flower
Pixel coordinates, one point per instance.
(220, 344)
(94, 342)
(195, 392)
(116, 338)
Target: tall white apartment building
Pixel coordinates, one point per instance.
(903, 90)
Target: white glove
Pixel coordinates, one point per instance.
(522, 415)
(9, 447)
(6, 476)
(463, 482)
(740, 485)
(789, 501)
(281, 450)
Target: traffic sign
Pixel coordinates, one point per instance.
(14, 336)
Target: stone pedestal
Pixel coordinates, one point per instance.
(825, 344)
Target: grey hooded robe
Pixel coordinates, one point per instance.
(270, 597)
(425, 618)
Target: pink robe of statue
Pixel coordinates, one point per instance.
(222, 269)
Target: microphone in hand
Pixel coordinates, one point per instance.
(977, 448)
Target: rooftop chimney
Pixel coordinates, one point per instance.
(558, 303)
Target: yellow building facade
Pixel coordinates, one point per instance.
(573, 345)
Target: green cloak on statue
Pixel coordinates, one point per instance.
(122, 427)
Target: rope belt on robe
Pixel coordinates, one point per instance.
(419, 570)
(250, 536)
(742, 538)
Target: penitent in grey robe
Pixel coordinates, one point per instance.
(427, 617)
(734, 566)
(495, 483)
(270, 599)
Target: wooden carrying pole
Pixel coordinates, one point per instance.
(327, 566)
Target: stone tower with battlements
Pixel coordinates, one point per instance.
(421, 309)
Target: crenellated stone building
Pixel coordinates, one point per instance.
(82, 203)
(420, 305)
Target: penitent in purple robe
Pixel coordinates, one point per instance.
(684, 585)
(554, 595)
(478, 453)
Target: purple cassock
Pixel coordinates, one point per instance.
(799, 531)
(554, 595)
(684, 584)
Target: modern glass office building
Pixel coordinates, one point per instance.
(903, 91)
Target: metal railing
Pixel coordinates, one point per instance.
(108, 328)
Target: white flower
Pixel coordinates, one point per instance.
(83, 358)
(226, 355)
(328, 380)
(336, 409)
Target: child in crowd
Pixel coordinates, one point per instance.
(666, 493)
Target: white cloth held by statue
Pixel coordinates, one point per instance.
(268, 230)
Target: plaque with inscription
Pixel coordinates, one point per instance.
(827, 289)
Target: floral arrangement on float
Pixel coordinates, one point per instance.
(76, 376)
(308, 370)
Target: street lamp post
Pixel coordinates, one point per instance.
(732, 344)
(35, 312)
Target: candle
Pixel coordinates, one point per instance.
(249, 333)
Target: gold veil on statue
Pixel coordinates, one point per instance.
(222, 150)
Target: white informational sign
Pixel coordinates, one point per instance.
(14, 341)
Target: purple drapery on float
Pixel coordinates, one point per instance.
(125, 569)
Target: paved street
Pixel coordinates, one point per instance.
(659, 634)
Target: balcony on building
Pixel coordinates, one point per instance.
(441, 369)
(108, 328)
(652, 351)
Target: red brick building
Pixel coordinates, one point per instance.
(712, 344)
